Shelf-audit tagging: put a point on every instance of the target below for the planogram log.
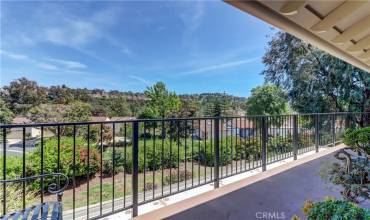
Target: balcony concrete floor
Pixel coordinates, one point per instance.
(278, 195)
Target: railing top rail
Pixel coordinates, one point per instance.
(53, 124)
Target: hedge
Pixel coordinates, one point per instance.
(50, 161)
(332, 209)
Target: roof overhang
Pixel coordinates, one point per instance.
(341, 28)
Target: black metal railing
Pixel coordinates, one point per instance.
(118, 165)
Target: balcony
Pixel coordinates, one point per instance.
(117, 166)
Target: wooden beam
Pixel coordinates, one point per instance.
(337, 15)
(365, 56)
(362, 44)
(276, 19)
(352, 31)
(291, 7)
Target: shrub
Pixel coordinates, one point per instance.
(14, 167)
(358, 140)
(108, 162)
(153, 157)
(278, 145)
(172, 177)
(50, 161)
(332, 209)
(244, 149)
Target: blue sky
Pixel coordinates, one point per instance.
(193, 47)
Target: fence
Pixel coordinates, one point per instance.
(117, 165)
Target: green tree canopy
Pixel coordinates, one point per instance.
(74, 112)
(162, 102)
(23, 94)
(314, 80)
(267, 100)
(6, 115)
(60, 94)
(217, 105)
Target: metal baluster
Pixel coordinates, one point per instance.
(125, 165)
(88, 172)
(317, 132)
(192, 153)
(162, 154)
(42, 164)
(101, 170)
(171, 137)
(74, 172)
(186, 152)
(217, 152)
(144, 161)
(264, 141)
(4, 171)
(135, 165)
(113, 162)
(178, 155)
(295, 136)
(205, 152)
(24, 166)
(154, 159)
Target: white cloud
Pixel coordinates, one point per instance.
(219, 66)
(52, 64)
(192, 20)
(146, 82)
(69, 64)
(14, 56)
(45, 66)
(126, 51)
(71, 32)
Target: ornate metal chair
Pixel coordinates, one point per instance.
(47, 210)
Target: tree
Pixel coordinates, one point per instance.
(267, 100)
(79, 111)
(60, 94)
(161, 102)
(119, 107)
(182, 128)
(74, 112)
(23, 94)
(217, 105)
(6, 115)
(314, 80)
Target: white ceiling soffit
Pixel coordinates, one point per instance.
(341, 28)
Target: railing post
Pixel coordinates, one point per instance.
(4, 171)
(216, 136)
(264, 142)
(295, 136)
(333, 127)
(135, 165)
(347, 121)
(317, 132)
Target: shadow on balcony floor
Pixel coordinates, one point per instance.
(277, 197)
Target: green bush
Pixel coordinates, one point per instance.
(240, 149)
(172, 156)
(336, 210)
(279, 145)
(119, 161)
(50, 161)
(13, 167)
(358, 139)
